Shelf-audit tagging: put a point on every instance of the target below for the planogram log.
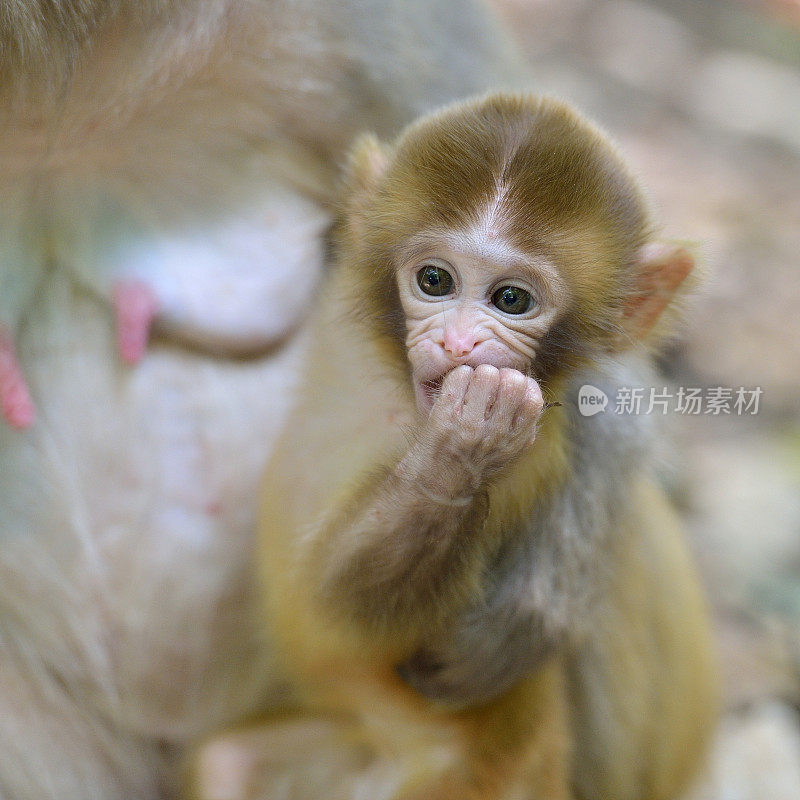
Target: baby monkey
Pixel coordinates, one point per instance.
(435, 485)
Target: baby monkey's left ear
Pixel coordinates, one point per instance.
(366, 165)
(661, 278)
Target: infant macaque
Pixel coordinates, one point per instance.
(489, 258)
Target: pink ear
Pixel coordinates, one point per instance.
(662, 269)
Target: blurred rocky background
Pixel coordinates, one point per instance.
(704, 97)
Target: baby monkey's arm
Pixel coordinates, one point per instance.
(406, 547)
(540, 588)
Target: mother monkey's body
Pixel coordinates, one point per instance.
(423, 516)
(187, 149)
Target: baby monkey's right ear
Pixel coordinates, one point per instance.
(366, 165)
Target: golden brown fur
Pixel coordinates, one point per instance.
(620, 704)
(340, 669)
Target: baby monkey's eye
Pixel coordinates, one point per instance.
(435, 281)
(512, 300)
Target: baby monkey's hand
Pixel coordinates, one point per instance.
(484, 418)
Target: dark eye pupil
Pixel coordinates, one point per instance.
(435, 281)
(512, 300)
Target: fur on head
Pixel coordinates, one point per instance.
(553, 185)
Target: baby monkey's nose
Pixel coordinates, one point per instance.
(459, 342)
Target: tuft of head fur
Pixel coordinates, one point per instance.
(556, 186)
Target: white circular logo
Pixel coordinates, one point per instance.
(591, 400)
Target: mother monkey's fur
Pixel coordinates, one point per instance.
(190, 147)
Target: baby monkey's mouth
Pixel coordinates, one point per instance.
(433, 387)
(428, 391)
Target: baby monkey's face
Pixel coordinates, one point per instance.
(471, 298)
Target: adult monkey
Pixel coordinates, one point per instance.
(167, 163)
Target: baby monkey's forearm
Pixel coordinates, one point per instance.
(402, 552)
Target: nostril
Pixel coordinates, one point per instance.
(457, 350)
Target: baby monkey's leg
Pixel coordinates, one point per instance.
(516, 748)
